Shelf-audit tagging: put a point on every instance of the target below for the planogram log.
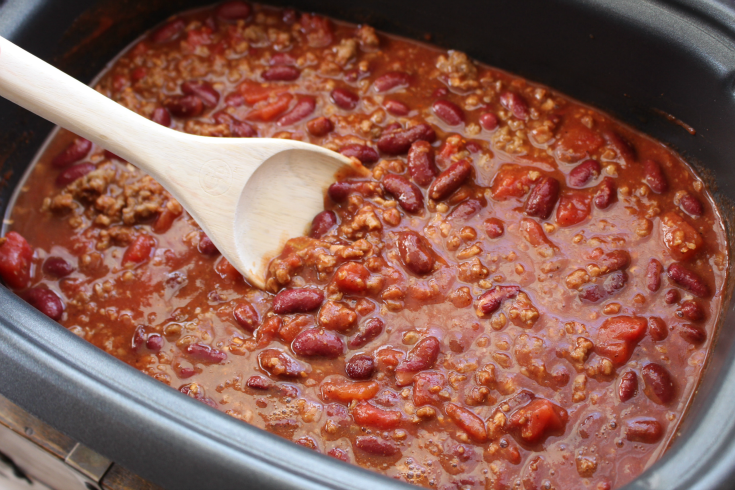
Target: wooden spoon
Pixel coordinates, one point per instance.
(249, 195)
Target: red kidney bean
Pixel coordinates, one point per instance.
(75, 151)
(139, 337)
(376, 446)
(57, 267)
(657, 329)
(73, 173)
(692, 311)
(688, 280)
(489, 121)
(233, 10)
(440, 92)
(258, 382)
(366, 414)
(322, 223)
(203, 90)
(303, 108)
(161, 116)
(490, 301)
(392, 80)
(672, 296)
(421, 165)
(465, 210)
(543, 198)
(655, 177)
(242, 129)
(339, 191)
(415, 254)
(692, 333)
(659, 386)
(583, 173)
(591, 293)
(409, 196)
(317, 342)
(691, 205)
(45, 301)
(339, 453)
(450, 180)
(297, 300)
(282, 59)
(606, 194)
(364, 153)
(399, 141)
(277, 363)
(360, 367)
(207, 247)
(494, 227)
(396, 107)
(449, 112)
(368, 332)
(468, 421)
(154, 343)
(320, 126)
(516, 104)
(169, 31)
(614, 282)
(234, 99)
(205, 353)
(281, 73)
(345, 99)
(185, 106)
(643, 429)
(620, 144)
(197, 394)
(246, 316)
(628, 386)
(614, 261)
(653, 275)
(422, 356)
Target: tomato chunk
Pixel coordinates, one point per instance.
(682, 240)
(139, 250)
(537, 420)
(618, 336)
(15, 261)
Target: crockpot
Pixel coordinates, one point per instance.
(665, 67)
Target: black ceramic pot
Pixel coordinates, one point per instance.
(635, 59)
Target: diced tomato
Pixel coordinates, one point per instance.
(139, 250)
(538, 420)
(366, 414)
(197, 37)
(618, 336)
(682, 240)
(577, 141)
(271, 110)
(574, 207)
(513, 181)
(426, 388)
(253, 92)
(15, 261)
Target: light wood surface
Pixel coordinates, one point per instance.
(248, 194)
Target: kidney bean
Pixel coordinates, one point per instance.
(207, 247)
(691, 205)
(282, 59)
(692, 333)
(543, 198)
(369, 415)
(368, 332)
(360, 366)
(489, 121)
(258, 382)
(195, 391)
(168, 32)
(184, 106)
(659, 386)
(396, 107)
(628, 386)
(75, 151)
(415, 253)
(688, 280)
(246, 316)
(57, 267)
(277, 363)
(618, 336)
(672, 296)
(303, 108)
(352, 278)
(399, 141)
(233, 10)
(592, 293)
(614, 282)
(692, 311)
(643, 429)
(281, 73)
(317, 342)
(653, 275)
(657, 329)
(339, 191)
(16, 256)
(205, 353)
(322, 223)
(139, 250)
(421, 164)
(407, 194)
(108, 154)
(73, 173)
(606, 194)
(494, 227)
(620, 145)
(320, 126)
(574, 207)
(614, 261)
(450, 180)
(468, 421)
(449, 112)
(139, 337)
(490, 301)
(516, 104)
(392, 80)
(297, 300)
(654, 176)
(339, 453)
(583, 173)
(161, 116)
(45, 301)
(422, 356)
(204, 90)
(465, 210)
(318, 30)
(345, 99)
(154, 343)
(364, 153)
(376, 446)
